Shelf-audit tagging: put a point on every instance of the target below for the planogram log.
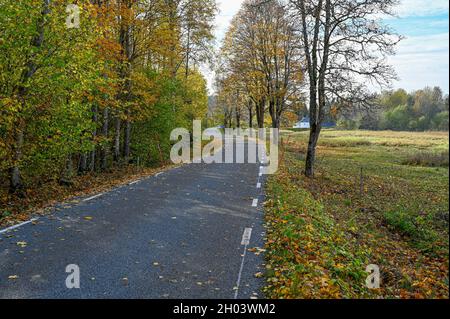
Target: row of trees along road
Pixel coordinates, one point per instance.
(341, 47)
(103, 94)
(260, 64)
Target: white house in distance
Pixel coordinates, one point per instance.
(304, 123)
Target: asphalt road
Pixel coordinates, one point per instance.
(178, 234)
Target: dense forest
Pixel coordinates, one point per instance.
(97, 85)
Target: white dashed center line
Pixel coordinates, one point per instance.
(255, 202)
(246, 237)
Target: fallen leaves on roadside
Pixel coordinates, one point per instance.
(321, 234)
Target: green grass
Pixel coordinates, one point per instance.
(399, 221)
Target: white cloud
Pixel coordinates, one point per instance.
(423, 61)
(408, 8)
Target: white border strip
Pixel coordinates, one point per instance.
(17, 226)
(93, 197)
(245, 241)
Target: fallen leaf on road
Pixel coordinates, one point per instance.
(22, 243)
(88, 218)
(258, 274)
(13, 277)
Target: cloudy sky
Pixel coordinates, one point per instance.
(422, 58)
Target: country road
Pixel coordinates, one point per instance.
(178, 234)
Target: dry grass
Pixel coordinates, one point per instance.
(399, 221)
(429, 159)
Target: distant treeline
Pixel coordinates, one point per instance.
(422, 110)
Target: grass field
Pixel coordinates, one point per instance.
(378, 198)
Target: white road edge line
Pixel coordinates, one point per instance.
(245, 241)
(93, 197)
(255, 202)
(84, 200)
(18, 225)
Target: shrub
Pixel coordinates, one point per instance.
(440, 121)
(415, 227)
(430, 159)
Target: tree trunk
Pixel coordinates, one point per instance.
(125, 74)
(250, 114)
(116, 148)
(188, 48)
(83, 163)
(105, 133)
(311, 153)
(260, 108)
(126, 141)
(15, 176)
(94, 136)
(66, 178)
(273, 113)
